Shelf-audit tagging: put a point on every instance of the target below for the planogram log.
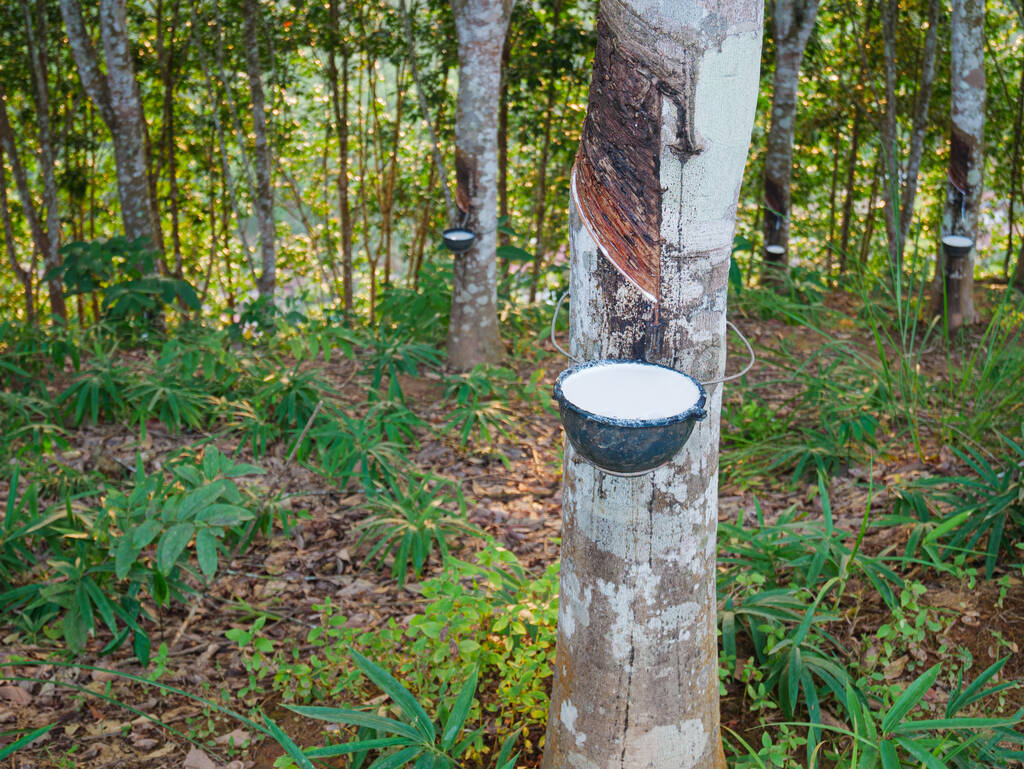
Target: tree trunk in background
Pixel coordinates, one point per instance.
(24, 276)
(792, 22)
(264, 191)
(40, 237)
(36, 36)
(339, 104)
(900, 187)
(954, 289)
(540, 192)
(503, 237)
(851, 182)
(473, 324)
(652, 217)
(116, 96)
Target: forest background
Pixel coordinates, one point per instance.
(225, 302)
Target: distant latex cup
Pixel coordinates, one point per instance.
(957, 246)
(458, 239)
(628, 417)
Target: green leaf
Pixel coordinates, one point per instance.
(910, 697)
(125, 556)
(357, 718)
(411, 708)
(514, 254)
(206, 552)
(397, 759)
(145, 533)
(946, 724)
(460, 710)
(171, 545)
(890, 760)
(330, 751)
(288, 745)
(504, 760)
(14, 747)
(922, 755)
(224, 515)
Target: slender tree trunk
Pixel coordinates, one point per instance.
(851, 182)
(503, 237)
(954, 290)
(540, 192)
(339, 105)
(473, 336)
(264, 190)
(900, 188)
(116, 96)
(793, 21)
(1018, 127)
(652, 218)
(24, 276)
(40, 236)
(869, 222)
(36, 36)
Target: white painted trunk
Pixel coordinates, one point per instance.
(636, 676)
(473, 323)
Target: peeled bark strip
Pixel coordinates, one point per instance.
(636, 675)
(473, 336)
(793, 21)
(966, 160)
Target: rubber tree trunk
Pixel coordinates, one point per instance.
(264, 189)
(116, 96)
(481, 26)
(651, 224)
(792, 21)
(955, 289)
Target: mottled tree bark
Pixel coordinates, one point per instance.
(954, 290)
(116, 96)
(264, 190)
(792, 21)
(900, 188)
(473, 336)
(652, 217)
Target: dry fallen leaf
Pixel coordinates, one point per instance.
(15, 695)
(197, 759)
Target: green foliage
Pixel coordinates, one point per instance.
(414, 738)
(138, 542)
(409, 517)
(481, 411)
(124, 272)
(98, 388)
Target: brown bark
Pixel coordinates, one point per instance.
(793, 21)
(473, 335)
(851, 181)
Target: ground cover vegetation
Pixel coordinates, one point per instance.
(250, 517)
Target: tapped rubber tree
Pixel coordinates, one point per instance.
(473, 335)
(651, 222)
(792, 22)
(954, 284)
